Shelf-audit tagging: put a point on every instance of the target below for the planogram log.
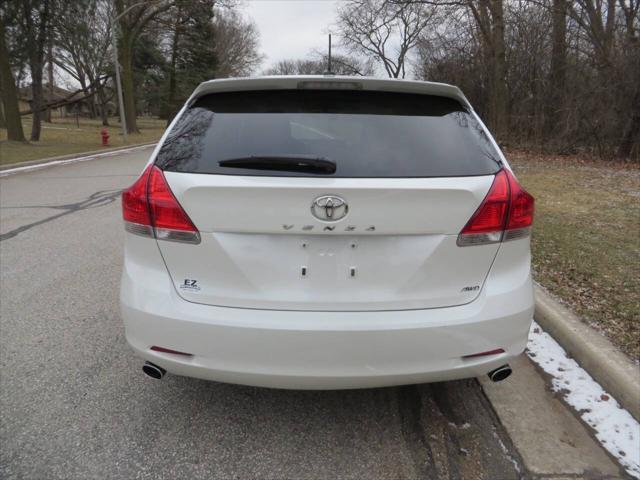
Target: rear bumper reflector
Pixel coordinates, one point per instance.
(485, 354)
(155, 348)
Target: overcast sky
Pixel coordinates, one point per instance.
(291, 28)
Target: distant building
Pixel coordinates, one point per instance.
(82, 107)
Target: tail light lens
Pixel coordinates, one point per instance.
(135, 208)
(522, 206)
(170, 221)
(150, 209)
(506, 213)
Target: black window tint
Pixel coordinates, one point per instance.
(366, 134)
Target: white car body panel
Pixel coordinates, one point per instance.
(416, 305)
(325, 350)
(287, 82)
(253, 247)
(232, 203)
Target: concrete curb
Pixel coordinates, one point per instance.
(62, 159)
(605, 363)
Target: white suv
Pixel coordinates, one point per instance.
(327, 232)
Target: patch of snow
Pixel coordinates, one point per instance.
(464, 426)
(616, 430)
(504, 448)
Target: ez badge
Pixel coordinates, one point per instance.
(190, 285)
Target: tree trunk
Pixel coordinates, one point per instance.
(631, 134)
(91, 101)
(92, 108)
(489, 16)
(36, 41)
(3, 122)
(128, 90)
(38, 100)
(171, 94)
(557, 75)
(103, 106)
(499, 93)
(50, 79)
(9, 93)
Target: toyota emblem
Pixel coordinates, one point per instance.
(329, 208)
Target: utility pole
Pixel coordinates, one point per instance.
(116, 65)
(329, 72)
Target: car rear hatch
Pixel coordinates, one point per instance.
(327, 200)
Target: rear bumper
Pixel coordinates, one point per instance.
(329, 350)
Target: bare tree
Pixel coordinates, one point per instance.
(317, 65)
(557, 75)
(295, 67)
(83, 40)
(597, 20)
(37, 27)
(9, 92)
(134, 16)
(489, 15)
(384, 31)
(236, 44)
(192, 41)
(50, 79)
(631, 42)
(373, 26)
(571, 67)
(631, 13)
(342, 64)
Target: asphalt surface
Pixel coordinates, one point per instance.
(74, 403)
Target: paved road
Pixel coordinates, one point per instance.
(75, 405)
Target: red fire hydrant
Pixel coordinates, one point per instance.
(105, 137)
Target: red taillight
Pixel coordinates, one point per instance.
(149, 208)
(521, 208)
(135, 208)
(166, 212)
(491, 215)
(507, 207)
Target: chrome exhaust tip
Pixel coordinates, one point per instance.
(500, 373)
(153, 371)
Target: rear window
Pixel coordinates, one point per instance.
(366, 134)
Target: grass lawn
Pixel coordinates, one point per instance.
(63, 136)
(586, 240)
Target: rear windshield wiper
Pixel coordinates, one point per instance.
(284, 163)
